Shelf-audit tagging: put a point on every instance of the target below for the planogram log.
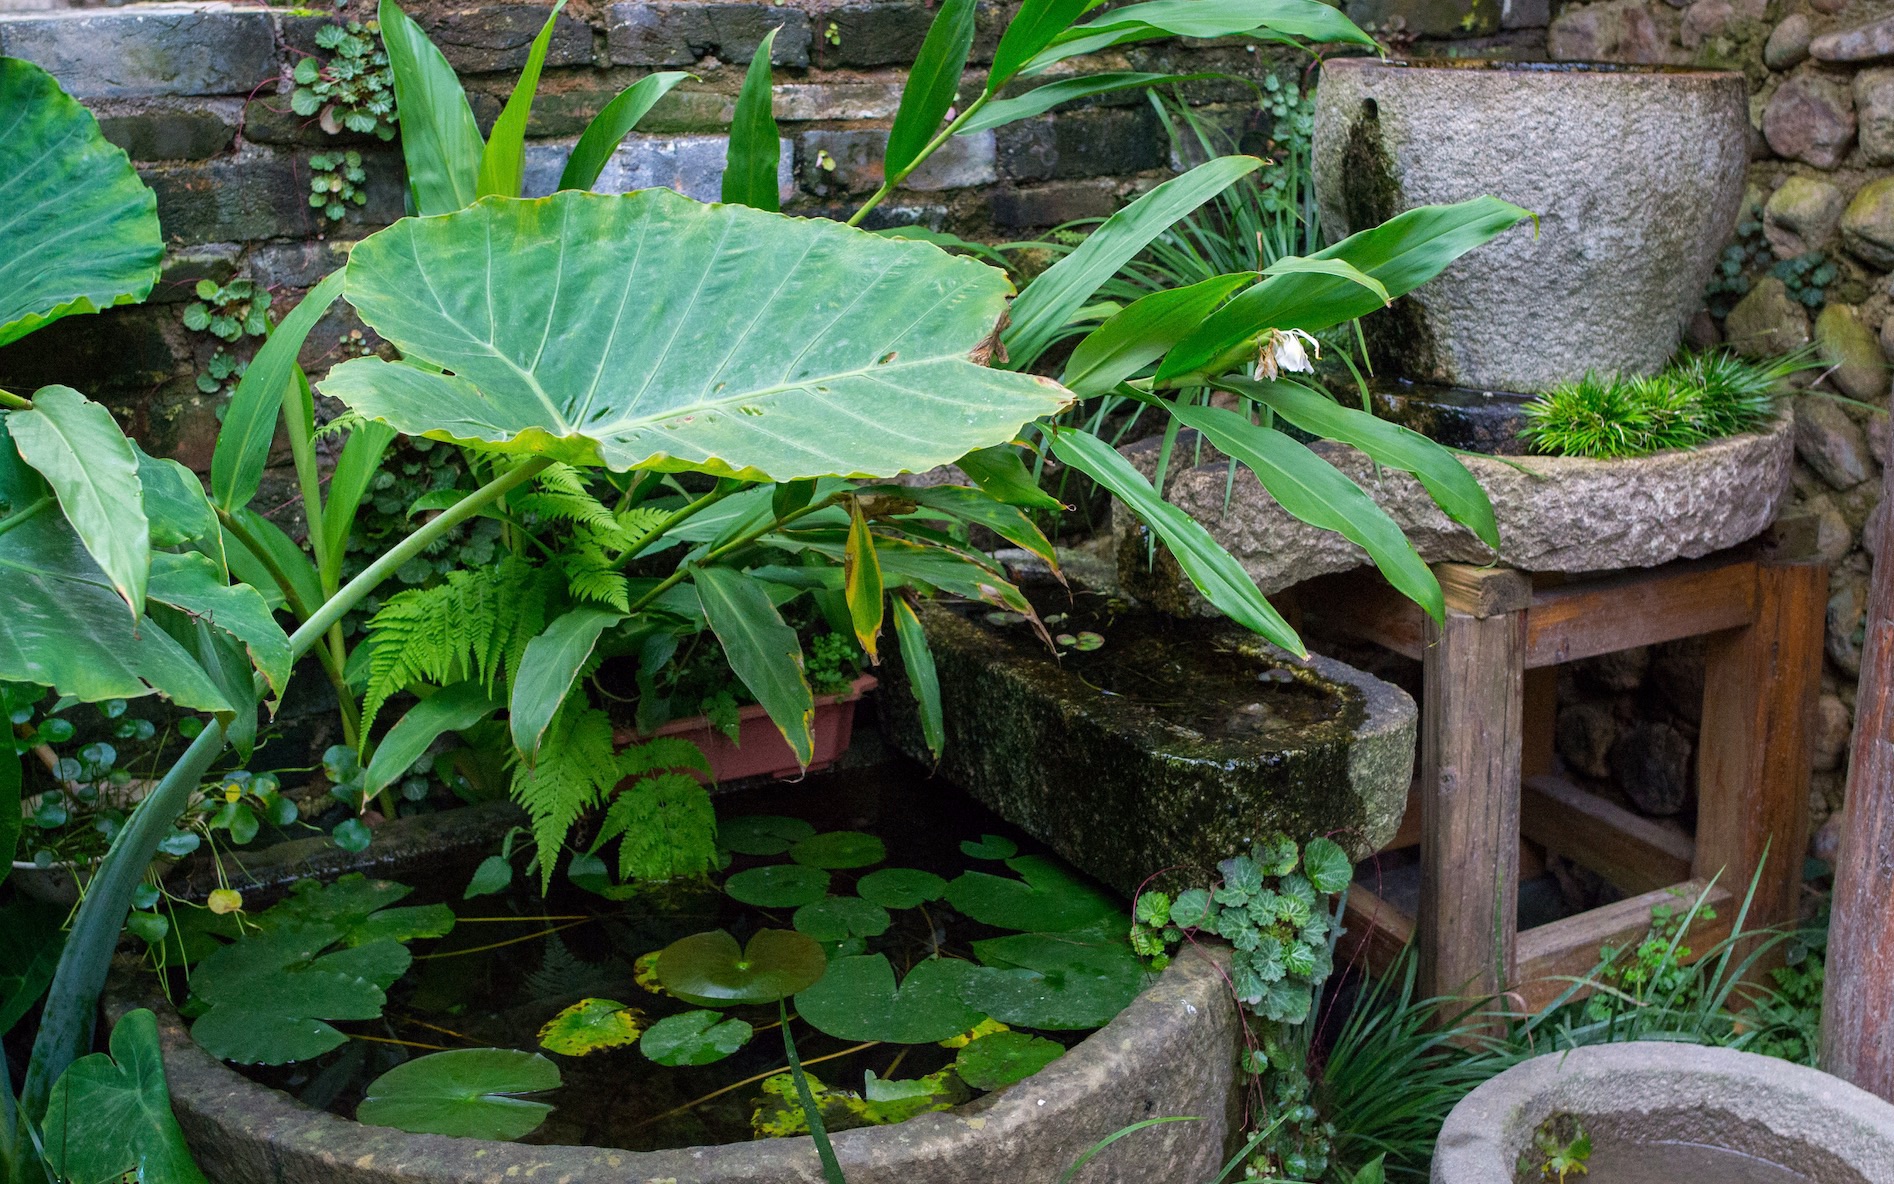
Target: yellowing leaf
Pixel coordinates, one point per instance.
(589, 1025)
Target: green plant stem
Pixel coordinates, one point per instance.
(25, 515)
(71, 1003)
(676, 516)
(818, 1131)
(677, 577)
(893, 182)
(9, 399)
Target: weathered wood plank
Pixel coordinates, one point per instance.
(1470, 743)
(1633, 852)
(1376, 934)
(1601, 616)
(1483, 591)
(1551, 956)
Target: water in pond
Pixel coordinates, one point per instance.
(1190, 673)
(516, 959)
(1682, 1163)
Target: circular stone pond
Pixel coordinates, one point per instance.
(1170, 1051)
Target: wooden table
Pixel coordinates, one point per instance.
(1490, 659)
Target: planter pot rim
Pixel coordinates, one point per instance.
(862, 684)
(1483, 1136)
(219, 1106)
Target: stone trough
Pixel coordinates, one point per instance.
(1555, 513)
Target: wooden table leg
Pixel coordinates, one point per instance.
(1472, 704)
(1755, 748)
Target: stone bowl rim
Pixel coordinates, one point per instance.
(1507, 69)
(1484, 1134)
(293, 1132)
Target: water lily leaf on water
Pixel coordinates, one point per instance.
(901, 887)
(692, 336)
(784, 886)
(271, 995)
(761, 834)
(838, 918)
(839, 849)
(1004, 1058)
(1046, 899)
(110, 1117)
(589, 1025)
(694, 1038)
(990, 846)
(469, 1093)
(858, 1000)
(1054, 981)
(710, 970)
(356, 907)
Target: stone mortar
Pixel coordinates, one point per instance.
(1555, 513)
(1802, 1119)
(1171, 1052)
(1635, 174)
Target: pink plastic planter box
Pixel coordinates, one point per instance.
(761, 748)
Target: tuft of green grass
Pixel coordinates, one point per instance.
(1699, 397)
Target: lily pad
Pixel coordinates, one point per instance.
(838, 918)
(857, 1000)
(1004, 1058)
(710, 970)
(782, 886)
(469, 1093)
(270, 996)
(589, 1025)
(694, 1038)
(989, 847)
(1046, 899)
(901, 887)
(839, 849)
(761, 834)
(1053, 981)
(356, 907)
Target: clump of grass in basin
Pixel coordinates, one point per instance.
(1699, 397)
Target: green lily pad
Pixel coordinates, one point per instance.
(782, 886)
(694, 1038)
(269, 996)
(1046, 899)
(356, 907)
(990, 847)
(709, 969)
(1004, 1058)
(761, 834)
(1053, 981)
(838, 918)
(589, 1025)
(901, 887)
(468, 1093)
(857, 1000)
(839, 849)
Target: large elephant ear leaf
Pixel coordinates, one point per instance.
(649, 330)
(78, 229)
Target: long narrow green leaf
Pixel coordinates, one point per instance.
(612, 125)
(503, 161)
(861, 581)
(1402, 253)
(1440, 473)
(1143, 331)
(979, 509)
(355, 470)
(10, 820)
(289, 558)
(439, 138)
(1033, 27)
(1214, 571)
(999, 112)
(78, 448)
(548, 668)
(917, 659)
(1313, 490)
(1002, 474)
(755, 151)
(1062, 289)
(763, 652)
(932, 82)
(243, 443)
(1291, 21)
(1339, 268)
(193, 584)
(450, 709)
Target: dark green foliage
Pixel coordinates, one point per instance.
(1696, 399)
(336, 180)
(229, 312)
(355, 89)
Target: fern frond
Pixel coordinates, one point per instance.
(575, 769)
(591, 573)
(668, 826)
(638, 521)
(660, 753)
(415, 640)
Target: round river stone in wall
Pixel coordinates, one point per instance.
(1636, 176)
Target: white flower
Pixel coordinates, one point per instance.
(1284, 349)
